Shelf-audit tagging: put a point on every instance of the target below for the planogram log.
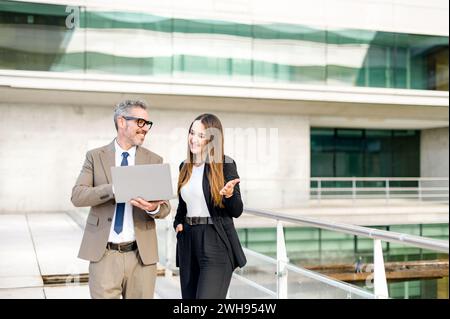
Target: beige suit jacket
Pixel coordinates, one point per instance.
(94, 188)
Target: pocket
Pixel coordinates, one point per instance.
(214, 240)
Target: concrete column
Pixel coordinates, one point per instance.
(434, 152)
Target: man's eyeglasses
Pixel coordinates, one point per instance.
(139, 121)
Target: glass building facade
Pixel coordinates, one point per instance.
(364, 153)
(40, 37)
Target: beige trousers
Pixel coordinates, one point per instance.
(121, 275)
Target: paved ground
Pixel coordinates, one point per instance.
(39, 244)
(35, 245)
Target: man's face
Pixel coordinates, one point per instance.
(134, 134)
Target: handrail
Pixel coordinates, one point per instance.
(349, 179)
(255, 285)
(389, 236)
(317, 189)
(369, 179)
(314, 275)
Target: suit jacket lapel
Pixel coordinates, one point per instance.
(140, 157)
(108, 160)
(144, 158)
(206, 188)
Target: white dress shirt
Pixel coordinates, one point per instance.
(127, 233)
(192, 193)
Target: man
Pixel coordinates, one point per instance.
(120, 238)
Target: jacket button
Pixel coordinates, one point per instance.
(110, 219)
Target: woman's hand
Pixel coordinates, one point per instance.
(228, 189)
(179, 228)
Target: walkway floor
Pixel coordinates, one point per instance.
(37, 245)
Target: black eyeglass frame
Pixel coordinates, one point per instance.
(139, 120)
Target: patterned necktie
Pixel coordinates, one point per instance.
(120, 208)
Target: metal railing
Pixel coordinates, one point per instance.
(415, 188)
(379, 276)
(278, 192)
(283, 289)
(276, 278)
(282, 262)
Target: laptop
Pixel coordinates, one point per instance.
(151, 182)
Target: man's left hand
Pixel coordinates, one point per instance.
(145, 205)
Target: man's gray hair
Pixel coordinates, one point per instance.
(123, 108)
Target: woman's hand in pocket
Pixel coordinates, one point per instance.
(179, 228)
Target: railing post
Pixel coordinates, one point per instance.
(319, 190)
(387, 191)
(379, 273)
(353, 190)
(419, 185)
(282, 260)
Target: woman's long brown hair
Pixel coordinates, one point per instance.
(214, 157)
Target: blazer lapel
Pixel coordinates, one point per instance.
(108, 160)
(140, 157)
(144, 158)
(206, 188)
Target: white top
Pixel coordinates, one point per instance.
(127, 233)
(192, 194)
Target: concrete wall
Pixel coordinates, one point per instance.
(43, 148)
(434, 147)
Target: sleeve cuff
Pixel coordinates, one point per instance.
(156, 211)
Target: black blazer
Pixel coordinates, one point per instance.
(222, 217)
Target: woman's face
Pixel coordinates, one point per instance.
(197, 138)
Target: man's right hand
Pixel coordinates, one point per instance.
(179, 228)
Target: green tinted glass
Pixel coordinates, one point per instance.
(37, 37)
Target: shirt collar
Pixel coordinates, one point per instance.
(131, 151)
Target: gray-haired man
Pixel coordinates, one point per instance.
(120, 238)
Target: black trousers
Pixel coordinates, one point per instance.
(205, 268)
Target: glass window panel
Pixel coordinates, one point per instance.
(377, 57)
(241, 68)
(346, 55)
(423, 51)
(365, 153)
(211, 49)
(35, 37)
(288, 53)
(264, 72)
(399, 64)
(323, 165)
(322, 140)
(437, 69)
(127, 43)
(406, 153)
(378, 156)
(349, 164)
(349, 153)
(322, 152)
(239, 53)
(349, 133)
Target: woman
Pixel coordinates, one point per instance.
(208, 247)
